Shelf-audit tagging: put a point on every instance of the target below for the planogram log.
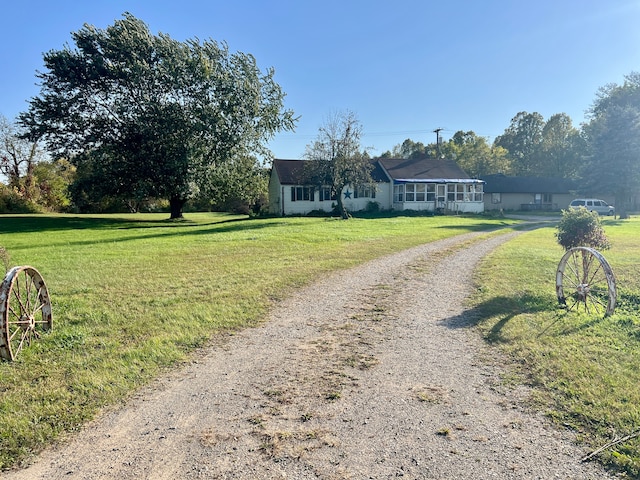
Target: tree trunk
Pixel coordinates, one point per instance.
(341, 209)
(176, 204)
(621, 206)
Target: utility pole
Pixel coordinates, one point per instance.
(437, 132)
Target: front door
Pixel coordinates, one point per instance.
(441, 195)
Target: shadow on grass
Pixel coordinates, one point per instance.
(249, 227)
(44, 223)
(502, 309)
(478, 227)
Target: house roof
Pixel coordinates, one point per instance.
(500, 183)
(420, 170)
(291, 172)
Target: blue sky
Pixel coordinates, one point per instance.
(405, 67)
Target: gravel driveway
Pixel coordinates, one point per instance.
(371, 372)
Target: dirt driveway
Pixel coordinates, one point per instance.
(373, 372)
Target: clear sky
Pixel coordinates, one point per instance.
(405, 67)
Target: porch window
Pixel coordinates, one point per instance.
(302, 193)
(420, 192)
(455, 192)
(410, 192)
(398, 193)
(473, 193)
(431, 192)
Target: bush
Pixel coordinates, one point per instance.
(372, 207)
(11, 201)
(581, 228)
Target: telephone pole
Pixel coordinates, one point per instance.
(437, 132)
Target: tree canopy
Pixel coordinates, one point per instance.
(522, 139)
(613, 135)
(562, 147)
(551, 148)
(475, 156)
(144, 115)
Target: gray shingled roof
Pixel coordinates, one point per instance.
(291, 172)
(400, 169)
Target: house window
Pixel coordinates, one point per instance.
(469, 193)
(496, 198)
(420, 192)
(302, 193)
(398, 193)
(431, 192)
(367, 191)
(546, 198)
(455, 192)
(410, 192)
(325, 194)
(475, 193)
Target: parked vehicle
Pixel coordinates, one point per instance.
(593, 205)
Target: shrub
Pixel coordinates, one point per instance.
(11, 201)
(581, 228)
(372, 207)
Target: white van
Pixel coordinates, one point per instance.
(593, 205)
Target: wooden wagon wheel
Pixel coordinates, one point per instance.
(584, 280)
(25, 310)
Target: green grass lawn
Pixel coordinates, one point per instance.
(132, 295)
(585, 369)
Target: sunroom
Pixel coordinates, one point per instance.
(442, 195)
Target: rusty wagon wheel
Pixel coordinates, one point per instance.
(25, 310)
(584, 280)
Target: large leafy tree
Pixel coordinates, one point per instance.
(522, 139)
(536, 147)
(240, 185)
(475, 156)
(146, 115)
(613, 135)
(562, 147)
(336, 157)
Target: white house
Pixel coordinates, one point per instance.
(428, 184)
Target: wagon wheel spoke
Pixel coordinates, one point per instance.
(597, 301)
(15, 332)
(23, 339)
(572, 306)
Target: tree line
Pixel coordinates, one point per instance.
(603, 155)
(131, 120)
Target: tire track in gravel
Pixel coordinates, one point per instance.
(369, 373)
